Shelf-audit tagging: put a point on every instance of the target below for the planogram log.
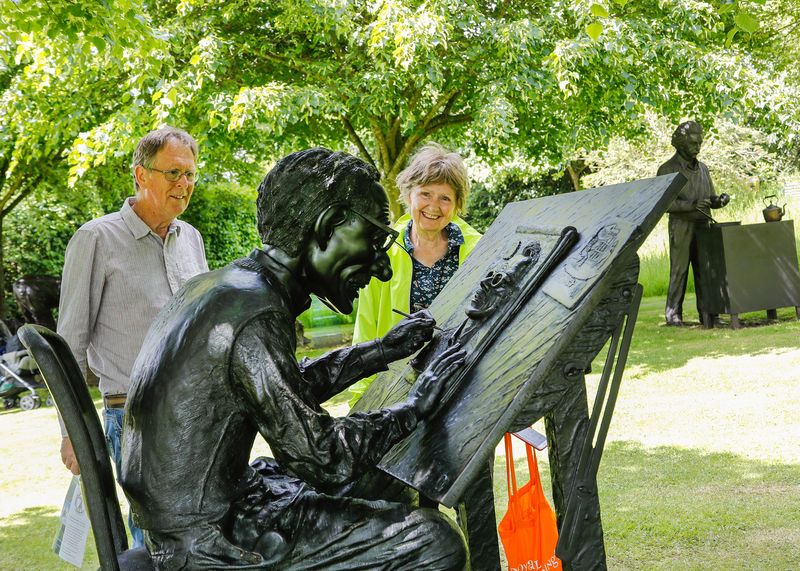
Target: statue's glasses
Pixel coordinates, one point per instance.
(175, 175)
(384, 241)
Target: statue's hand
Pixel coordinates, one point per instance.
(408, 336)
(425, 394)
(702, 203)
(722, 200)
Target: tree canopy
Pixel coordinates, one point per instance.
(509, 82)
(545, 80)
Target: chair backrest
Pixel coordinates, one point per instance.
(62, 375)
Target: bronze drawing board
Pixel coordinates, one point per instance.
(535, 312)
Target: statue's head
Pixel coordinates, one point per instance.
(328, 210)
(687, 139)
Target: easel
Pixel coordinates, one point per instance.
(534, 363)
(573, 472)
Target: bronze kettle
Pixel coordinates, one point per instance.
(773, 212)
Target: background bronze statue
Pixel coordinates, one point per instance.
(37, 296)
(217, 368)
(687, 214)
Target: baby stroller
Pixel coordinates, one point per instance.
(19, 376)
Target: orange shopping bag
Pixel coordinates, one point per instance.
(528, 531)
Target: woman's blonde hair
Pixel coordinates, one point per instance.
(432, 164)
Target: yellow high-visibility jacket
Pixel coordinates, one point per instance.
(375, 302)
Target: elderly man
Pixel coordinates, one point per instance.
(218, 368)
(688, 213)
(122, 268)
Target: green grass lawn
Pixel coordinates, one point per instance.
(701, 469)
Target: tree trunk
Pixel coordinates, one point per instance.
(574, 176)
(397, 208)
(575, 170)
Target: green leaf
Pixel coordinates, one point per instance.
(746, 22)
(621, 2)
(594, 30)
(599, 11)
(99, 43)
(729, 39)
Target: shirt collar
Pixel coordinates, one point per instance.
(136, 225)
(454, 236)
(686, 165)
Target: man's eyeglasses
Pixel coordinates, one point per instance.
(175, 175)
(382, 242)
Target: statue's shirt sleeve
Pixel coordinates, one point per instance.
(309, 443)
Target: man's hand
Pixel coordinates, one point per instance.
(408, 336)
(702, 203)
(68, 456)
(425, 394)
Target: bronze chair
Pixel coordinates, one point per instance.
(66, 384)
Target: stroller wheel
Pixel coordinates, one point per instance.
(9, 403)
(49, 401)
(30, 402)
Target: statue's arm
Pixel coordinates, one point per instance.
(336, 370)
(309, 443)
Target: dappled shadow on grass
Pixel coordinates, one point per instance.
(657, 348)
(671, 508)
(679, 508)
(26, 540)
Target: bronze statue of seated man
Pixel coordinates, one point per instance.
(218, 368)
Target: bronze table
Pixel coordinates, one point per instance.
(750, 267)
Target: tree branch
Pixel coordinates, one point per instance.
(8, 194)
(412, 96)
(446, 121)
(20, 196)
(380, 147)
(4, 170)
(316, 77)
(348, 126)
(442, 101)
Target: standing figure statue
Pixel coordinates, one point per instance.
(689, 212)
(218, 368)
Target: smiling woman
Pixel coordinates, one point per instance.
(432, 243)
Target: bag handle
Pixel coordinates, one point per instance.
(533, 464)
(533, 467)
(511, 476)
